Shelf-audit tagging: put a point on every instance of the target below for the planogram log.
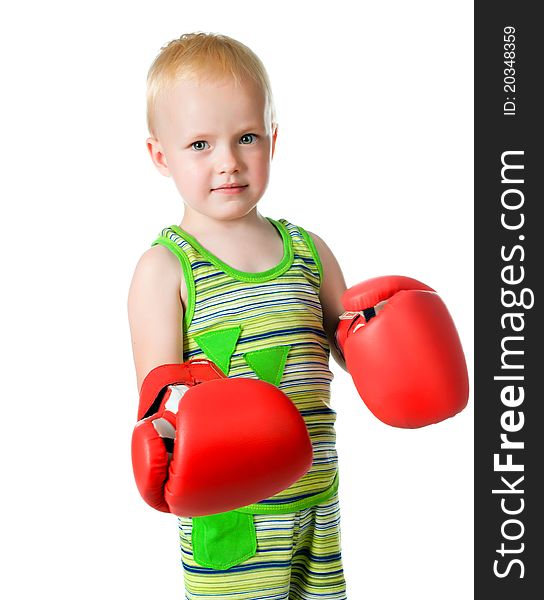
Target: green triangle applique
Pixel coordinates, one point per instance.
(218, 345)
(268, 363)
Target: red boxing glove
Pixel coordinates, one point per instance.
(214, 444)
(406, 359)
(154, 434)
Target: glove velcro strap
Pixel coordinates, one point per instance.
(158, 379)
(351, 315)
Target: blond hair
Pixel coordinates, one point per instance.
(204, 56)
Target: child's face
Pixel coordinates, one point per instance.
(211, 134)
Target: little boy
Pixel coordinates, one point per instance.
(258, 297)
(261, 299)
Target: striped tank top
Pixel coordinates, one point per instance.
(266, 325)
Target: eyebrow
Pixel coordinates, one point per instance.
(199, 135)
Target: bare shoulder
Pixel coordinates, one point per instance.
(320, 245)
(155, 310)
(331, 268)
(157, 278)
(156, 263)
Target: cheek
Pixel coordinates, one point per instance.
(186, 180)
(261, 163)
(191, 173)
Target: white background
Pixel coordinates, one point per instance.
(374, 154)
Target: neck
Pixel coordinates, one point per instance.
(197, 224)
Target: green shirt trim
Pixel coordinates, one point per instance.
(267, 509)
(308, 239)
(276, 271)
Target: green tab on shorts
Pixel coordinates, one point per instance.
(224, 540)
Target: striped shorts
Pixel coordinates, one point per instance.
(298, 558)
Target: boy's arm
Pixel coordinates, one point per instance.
(258, 459)
(330, 294)
(155, 311)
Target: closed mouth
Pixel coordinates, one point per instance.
(229, 187)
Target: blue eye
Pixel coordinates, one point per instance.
(199, 145)
(248, 138)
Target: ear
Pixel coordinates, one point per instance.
(274, 136)
(157, 155)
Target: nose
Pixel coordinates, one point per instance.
(227, 160)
